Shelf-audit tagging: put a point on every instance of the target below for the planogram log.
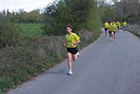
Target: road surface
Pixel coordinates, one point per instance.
(104, 67)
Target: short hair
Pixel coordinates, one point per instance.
(69, 26)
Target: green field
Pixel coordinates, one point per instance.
(31, 29)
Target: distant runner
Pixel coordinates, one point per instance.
(118, 25)
(71, 40)
(114, 27)
(106, 28)
(124, 26)
(110, 30)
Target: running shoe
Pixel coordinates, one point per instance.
(78, 54)
(70, 72)
(110, 38)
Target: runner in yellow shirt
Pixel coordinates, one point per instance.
(114, 27)
(124, 26)
(111, 23)
(110, 30)
(118, 25)
(71, 40)
(106, 28)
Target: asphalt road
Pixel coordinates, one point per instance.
(104, 67)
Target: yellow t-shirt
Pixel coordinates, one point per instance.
(110, 27)
(118, 23)
(113, 27)
(124, 24)
(106, 25)
(71, 39)
(115, 23)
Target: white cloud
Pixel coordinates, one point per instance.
(108, 1)
(42, 5)
(27, 5)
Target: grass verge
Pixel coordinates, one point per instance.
(134, 29)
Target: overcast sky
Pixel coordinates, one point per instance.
(27, 5)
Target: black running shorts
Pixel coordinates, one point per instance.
(72, 50)
(114, 31)
(106, 29)
(110, 32)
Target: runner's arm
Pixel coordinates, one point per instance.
(65, 44)
(75, 43)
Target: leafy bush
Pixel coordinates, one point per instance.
(9, 32)
(81, 14)
(135, 29)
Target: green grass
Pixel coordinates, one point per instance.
(134, 32)
(31, 29)
(135, 29)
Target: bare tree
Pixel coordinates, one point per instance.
(126, 8)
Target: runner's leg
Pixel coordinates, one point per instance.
(69, 60)
(124, 29)
(110, 35)
(74, 56)
(106, 33)
(114, 35)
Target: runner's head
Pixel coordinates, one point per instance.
(69, 28)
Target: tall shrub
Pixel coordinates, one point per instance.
(81, 14)
(9, 31)
(55, 16)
